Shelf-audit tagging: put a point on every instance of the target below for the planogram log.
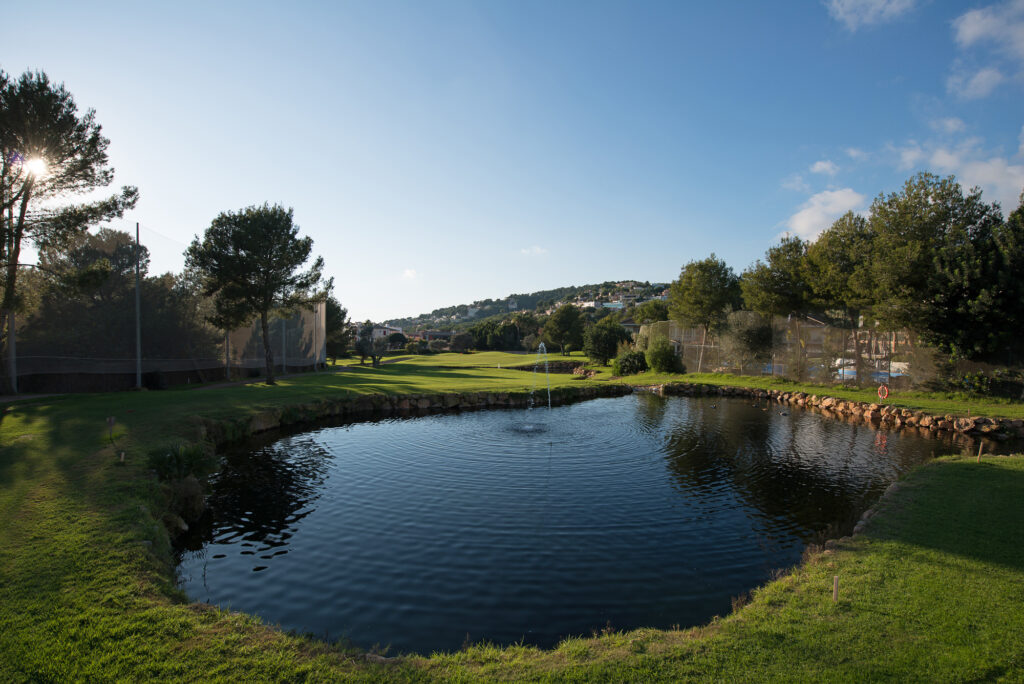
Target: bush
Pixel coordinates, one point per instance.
(629, 363)
(662, 357)
(437, 346)
(416, 347)
(179, 461)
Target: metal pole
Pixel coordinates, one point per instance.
(284, 345)
(138, 315)
(13, 353)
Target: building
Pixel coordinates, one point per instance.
(384, 331)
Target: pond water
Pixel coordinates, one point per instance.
(515, 525)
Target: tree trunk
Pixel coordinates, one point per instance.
(268, 355)
(14, 235)
(700, 357)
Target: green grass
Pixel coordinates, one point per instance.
(933, 591)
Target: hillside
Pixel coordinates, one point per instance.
(609, 291)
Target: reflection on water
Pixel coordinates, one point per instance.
(509, 525)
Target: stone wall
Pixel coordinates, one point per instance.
(878, 414)
(220, 432)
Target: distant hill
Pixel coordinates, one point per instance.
(450, 316)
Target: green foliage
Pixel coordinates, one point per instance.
(778, 286)
(564, 329)
(629, 363)
(337, 329)
(86, 305)
(601, 341)
(416, 347)
(397, 340)
(661, 357)
(704, 293)
(747, 338)
(911, 228)
(651, 312)
(496, 334)
(249, 262)
(975, 305)
(179, 460)
(364, 340)
(39, 121)
(461, 342)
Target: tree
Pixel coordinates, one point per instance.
(910, 228)
(651, 312)
(838, 269)
(249, 262)
(87, 305)
(364, 341)
(778, 286)
(976, 307)
(461, 343)
(747, 338)
(601, 340)
(397, 340)
(661, 357)
(338, 333)
(564, 328)
(47, 151)
(703, 295)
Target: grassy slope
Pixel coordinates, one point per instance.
(82, 594)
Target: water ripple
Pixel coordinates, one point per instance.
(533, 525)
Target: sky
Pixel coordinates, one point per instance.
(443, 152)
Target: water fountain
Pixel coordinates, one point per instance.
(541, 349)
(533, 425)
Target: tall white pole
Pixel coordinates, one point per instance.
(138, 315)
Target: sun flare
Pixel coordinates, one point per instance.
(35, 167)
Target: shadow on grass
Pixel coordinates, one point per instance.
(968, 509)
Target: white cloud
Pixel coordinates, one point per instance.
(795, 182)
(819, 212)
(999, 180)
(856, 153)
(976, 86)
(533, 251)
(824, 166)
(944, 160)
(973, 165)
(409, 274)
(999, 25)
(857, 13)
(909, 155)
(949, 125)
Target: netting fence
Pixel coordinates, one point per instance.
(57, 356)
(82, 307)
(811, 351)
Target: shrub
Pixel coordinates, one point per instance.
(178, 461)
(437, 346)
(662, 357)
(629, 363)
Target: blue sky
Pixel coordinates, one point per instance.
(442, 152)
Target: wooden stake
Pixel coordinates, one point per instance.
(980, 447)
(835, 588)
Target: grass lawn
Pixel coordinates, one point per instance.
(933, 592)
